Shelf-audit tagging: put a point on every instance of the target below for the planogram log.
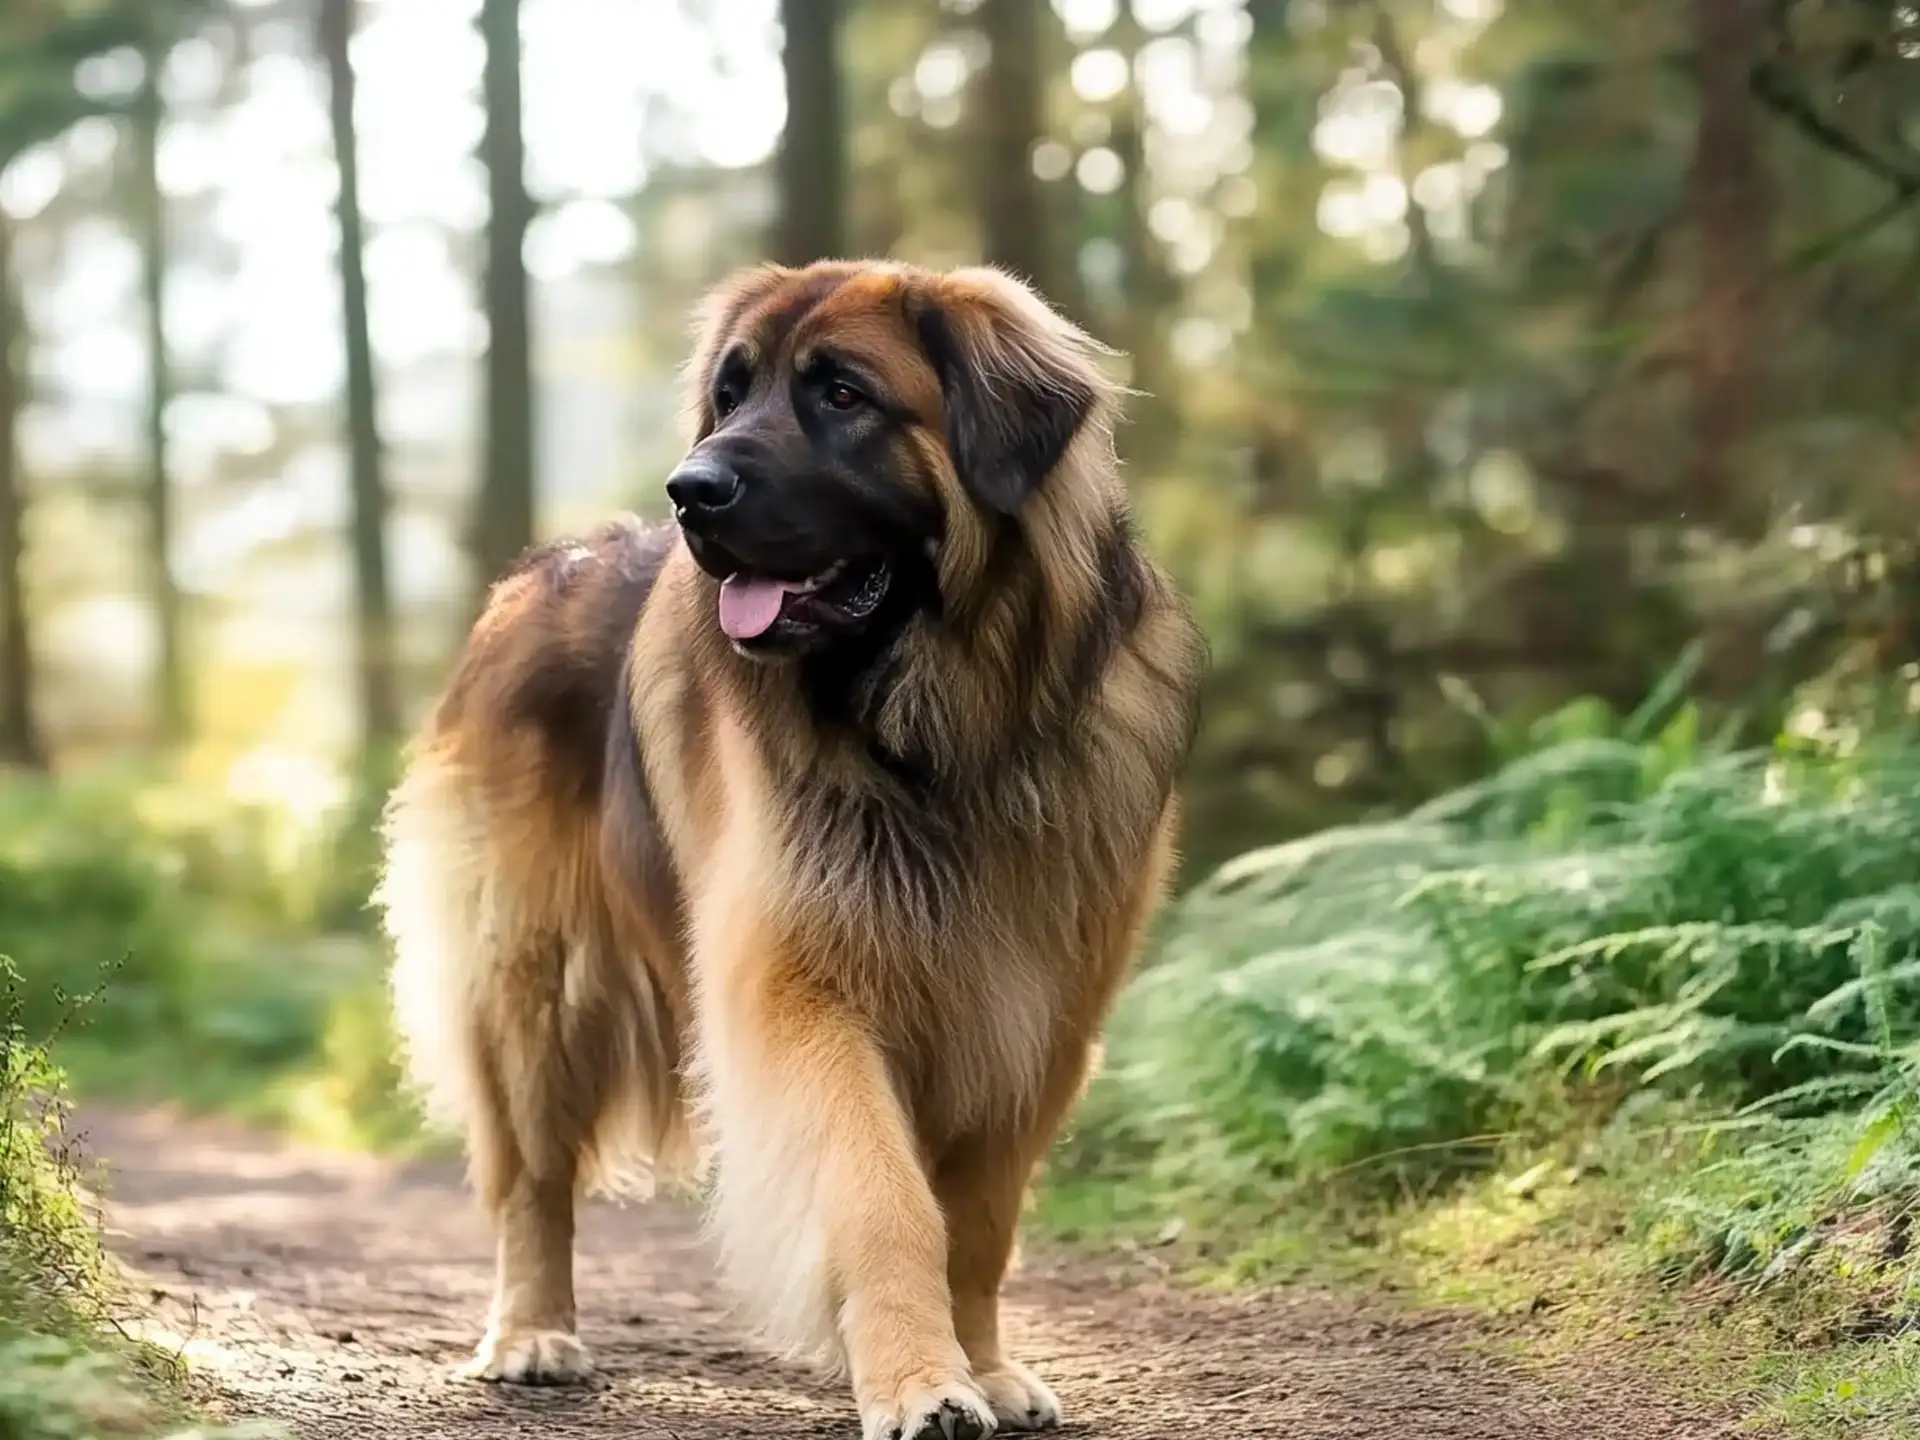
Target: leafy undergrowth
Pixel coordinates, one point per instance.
(201, 948)
(168, 941)
(1633, 1026)
(67, 1370)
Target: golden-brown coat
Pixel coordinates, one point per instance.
(643, 887)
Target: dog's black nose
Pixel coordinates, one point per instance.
(703, 483)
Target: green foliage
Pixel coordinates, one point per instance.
(180, 941)
(1631, 1026)
(60, 1388)
(1804, 1199)
(350, 1092)
(64, 1375)
(1601, 920)
(55, 1389)
(48, 1250)
(172, 900)
(40, 46)
(349, 864)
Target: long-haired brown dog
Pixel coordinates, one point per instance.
(821, 826)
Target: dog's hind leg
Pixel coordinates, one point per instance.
(508, 1038)
(525, 1139)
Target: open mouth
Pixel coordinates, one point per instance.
(755, 607)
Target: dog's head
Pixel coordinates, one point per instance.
(864, 435)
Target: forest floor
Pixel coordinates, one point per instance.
(335, 1292)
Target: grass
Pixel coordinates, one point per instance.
(1636, 1009)
(67, 1371)
(1577, 1257)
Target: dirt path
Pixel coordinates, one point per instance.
(335, 1292)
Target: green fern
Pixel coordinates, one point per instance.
(1608, 914)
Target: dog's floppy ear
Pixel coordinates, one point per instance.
(1017, 381)
(714, 319)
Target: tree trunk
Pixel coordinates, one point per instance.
(1152, 291)
(1732, 210)
(19, 735)
(1282, 128)
(379, 688)
(170, 681)
(1014, 233)
(504, 522)
(812, 165)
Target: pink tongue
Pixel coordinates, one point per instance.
(749, 606)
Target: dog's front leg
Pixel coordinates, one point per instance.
(826, 1218)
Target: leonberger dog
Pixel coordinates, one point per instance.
(802, 843)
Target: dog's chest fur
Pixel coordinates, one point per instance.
(958, 926)
(959, 882)
(958, 929)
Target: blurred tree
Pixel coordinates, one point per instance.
(1152, 291)
(912, 164)
(812, 163)
(1013, 215)
(1282, 96)
(374, 631)
(1732, 215)
(171, 707)
(504, 517)
(1484, 338)
(41, 43)
(20, 742)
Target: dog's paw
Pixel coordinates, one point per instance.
(1020, 1399)
(943, 1410)
(531, 1357)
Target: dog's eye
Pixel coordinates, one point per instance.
(841, 396)
(725, 402)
